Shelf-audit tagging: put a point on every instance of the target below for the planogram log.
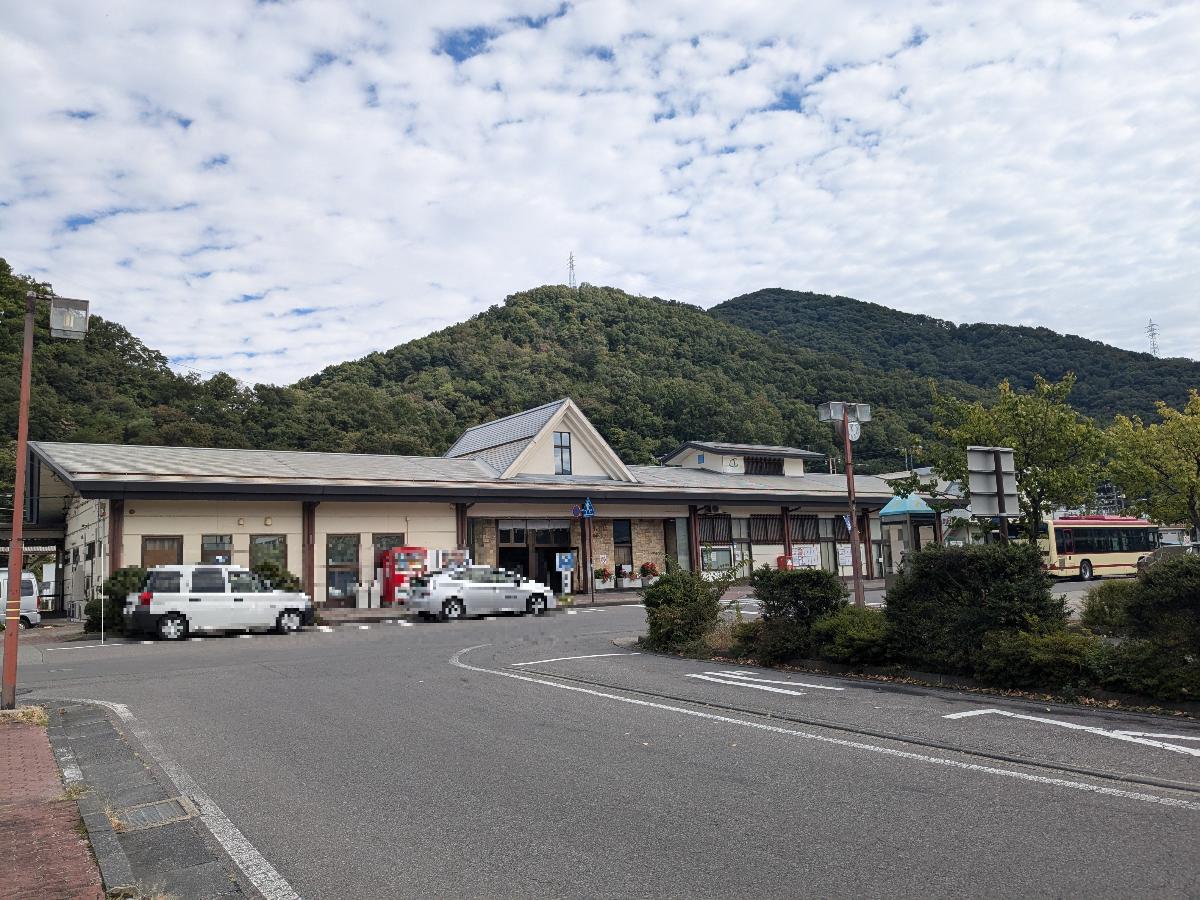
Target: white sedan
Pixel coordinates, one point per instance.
(477, 591)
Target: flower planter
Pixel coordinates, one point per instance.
(626, 584)
(602, 585)
(646, 582)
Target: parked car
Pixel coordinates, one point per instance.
(177, 600)
(478, 590)
(1166, 551)
(29, 598)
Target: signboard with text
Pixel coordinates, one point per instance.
(806, 556)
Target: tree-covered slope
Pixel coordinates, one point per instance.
(1109, 380)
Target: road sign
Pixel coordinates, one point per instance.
(589, 511)
(564, 562)
(992, 480)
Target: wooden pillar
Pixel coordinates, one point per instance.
(308, 547)
(868, 552)
(785, 515)
(460, 524)
(116, 534)
(694, 538)
(938, 533)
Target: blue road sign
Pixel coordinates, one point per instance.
(564, 562)
(588, 510)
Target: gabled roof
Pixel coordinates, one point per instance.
(912, 505)
(744, 450)
(519, 428)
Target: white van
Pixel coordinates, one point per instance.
(29, 598)
(177, 600)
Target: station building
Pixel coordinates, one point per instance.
(505, 492)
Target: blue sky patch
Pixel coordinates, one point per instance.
(463, 43)
(215, 162)
(82, 114)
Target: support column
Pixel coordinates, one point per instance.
(116, 535)
(308, 548)
(938, 532)
(785, 515)
(460, 524)
(694, 538)
(868, 552)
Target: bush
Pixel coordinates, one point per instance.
(1105, 608)
(791, 600)
(746, 636)
(947, 598)
(1141, 667)
(1165, 606)
(855, 635)
(1056, 661)
(279, 577)
(681, 609)
(119, 585)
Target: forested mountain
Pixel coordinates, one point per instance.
(1109, 380)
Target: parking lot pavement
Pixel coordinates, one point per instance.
(396, 762)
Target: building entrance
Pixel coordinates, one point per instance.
(529, 546)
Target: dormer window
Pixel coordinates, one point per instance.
(562, 453)
(764, 465)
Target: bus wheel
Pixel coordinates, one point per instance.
(1085, 571)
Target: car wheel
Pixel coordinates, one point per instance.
(1085, 571)
(23, 624)
(453, 609)
(172, 628)
(288, 621)
(535, 605)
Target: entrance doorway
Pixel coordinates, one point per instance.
(529, 546)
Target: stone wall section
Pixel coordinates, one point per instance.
(648, 544)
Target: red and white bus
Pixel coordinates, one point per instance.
(1087, 546)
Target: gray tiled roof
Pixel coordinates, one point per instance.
(748, 449)
(811, 483)
(523, 426)
(109, 462)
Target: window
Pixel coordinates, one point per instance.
(716, 529)
(265, 548)
(208, 581)
(764, 465)
(382, 543)
(562, 453)
(766, 529)
(512, 532)
(246, 582)
(715, 559)
(165, 582)
(341, 567)
(74, 556)
(551, 532)
(216, 549)
(807, 529)
(623, 543)
(90, 551)
(28, 587)
(162, 550)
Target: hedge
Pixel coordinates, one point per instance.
(791, 600)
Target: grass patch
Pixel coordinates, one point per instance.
(27, 715)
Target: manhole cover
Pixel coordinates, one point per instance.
(151, 815)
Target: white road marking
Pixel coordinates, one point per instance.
(744, 677)
(1176, 737)
(245, 635)
(405, 624)
(325, 628)
(69, 765)
(261, 873)
(639, 605)
(363, 627)
(147, 642)
(1174, 802)
(564, 658)
(746, 684)
(1090, 729)
(83, 647)
(570, 612)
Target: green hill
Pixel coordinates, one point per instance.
(1110, 380)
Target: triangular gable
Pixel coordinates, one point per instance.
(586, 445)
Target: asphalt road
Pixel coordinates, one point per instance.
(473, 759)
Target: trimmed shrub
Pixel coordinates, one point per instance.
(1056, 661)
(947, 598)
(1165, 607)
(746, 636)
(281, 579)
(1105, 608)
(791, 600)
(855, 635)
(1142, 667)
(681, 609)
(119, 585)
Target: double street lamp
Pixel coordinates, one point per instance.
(848, 419)
(68, 319)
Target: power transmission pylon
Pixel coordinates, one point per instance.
(571, 271)
(1152, 333)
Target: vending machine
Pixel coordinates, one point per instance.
(400, 566)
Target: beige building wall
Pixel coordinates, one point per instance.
(192, 519)
(541, 455)
(793, 467)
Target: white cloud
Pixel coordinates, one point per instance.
(270, 188)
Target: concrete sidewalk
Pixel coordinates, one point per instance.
(43, 851)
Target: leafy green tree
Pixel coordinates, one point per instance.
(1057, 452)
(1159, 464)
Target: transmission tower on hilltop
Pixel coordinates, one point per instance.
(1152, 333)
(571, 271)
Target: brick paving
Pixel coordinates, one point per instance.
(43, 851)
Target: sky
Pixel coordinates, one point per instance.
(269, 188)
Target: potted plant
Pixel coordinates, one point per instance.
(649, 573)
(626, 579)
(603, 578)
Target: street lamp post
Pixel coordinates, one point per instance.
(848, 419)
(68, 319)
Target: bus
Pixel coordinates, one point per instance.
(1088, 546)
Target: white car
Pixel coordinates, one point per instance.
(29, 598)
(176, 600)
(477, 591)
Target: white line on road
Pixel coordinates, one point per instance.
(81, 647)
(261, 873)
(1176, 737)
(1128, 737)
(564, 658)
(746, 684)
(639, 605)
(819, 687)
(1174, 802)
